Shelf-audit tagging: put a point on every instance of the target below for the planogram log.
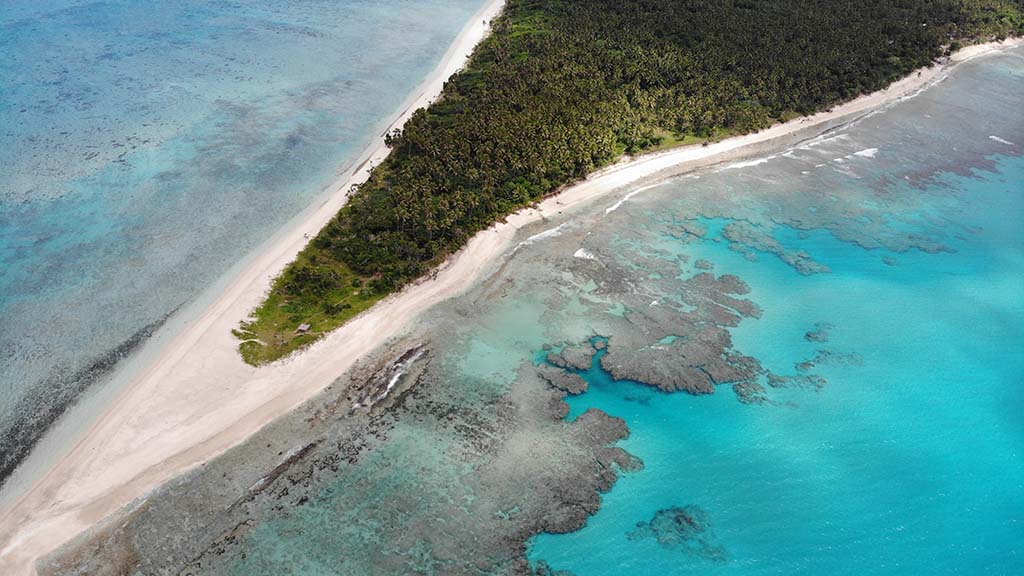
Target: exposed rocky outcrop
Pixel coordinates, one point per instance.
(567, 382)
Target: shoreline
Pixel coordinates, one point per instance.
(198, 398)
(243, 286)
(89, 408)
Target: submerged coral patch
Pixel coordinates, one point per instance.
(684, 528)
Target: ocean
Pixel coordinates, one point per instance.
(804, 363)
(910, 459)
(148, 148)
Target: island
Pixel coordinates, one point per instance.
(560, 89)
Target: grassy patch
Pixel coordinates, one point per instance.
(272, 331)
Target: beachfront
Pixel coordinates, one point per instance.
(172, 418)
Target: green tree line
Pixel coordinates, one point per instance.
(562, 87)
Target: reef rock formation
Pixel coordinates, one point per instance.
(365, 491)
(687, 529)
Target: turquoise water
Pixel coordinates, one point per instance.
(850, 311)
(911, 459)
(146, 147)
(884, 260)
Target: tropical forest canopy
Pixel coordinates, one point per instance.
(562, 87)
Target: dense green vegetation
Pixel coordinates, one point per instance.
(562, 87)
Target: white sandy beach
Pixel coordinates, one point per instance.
(197, 398)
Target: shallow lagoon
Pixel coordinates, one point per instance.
(148, 147)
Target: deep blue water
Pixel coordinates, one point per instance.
(146, 147)
(911, 459)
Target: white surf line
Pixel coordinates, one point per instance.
(865, 153)
(748, 163)
(399, 372)
(584, 254)
(626, 198)
(825, 138)
(549, 233)
(1001, 141)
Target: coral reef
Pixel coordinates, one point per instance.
(686, 528)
